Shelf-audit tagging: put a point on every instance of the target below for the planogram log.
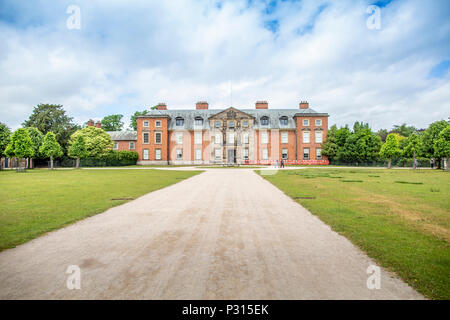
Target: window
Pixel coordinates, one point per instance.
(284, 137)
(145, 138)
(245, 137)
(318, 136)
(198, 121)
(264, 121)
(231, 138)
(116, 145)
(318, 122)
(245, 123)
(179, 154)
(318, 153)
(305, 136)
(197, 138)
(265, 154)
(179, 138)
(158, 137)
(284, 154)
(231, 124)
(145, 154)
(198, 154)
(284, 121)
(217, 154)
(245, 154)
(217, 138)
(158, 154)
(305, 153)
(146, 124)
(131, 145)
(264, 138)
(179, 121)
(305, 122)
(158, 123)
(217, 124)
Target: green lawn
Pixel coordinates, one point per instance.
(38, 201)
(401, 218)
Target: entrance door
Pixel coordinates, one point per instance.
(232, 156)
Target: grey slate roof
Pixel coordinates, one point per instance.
(273, 114)
(122, 135)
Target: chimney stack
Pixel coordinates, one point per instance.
(161, 106)
(304, 105)
(262, 105)
(201, 105)
(90, 123)
(98, 125)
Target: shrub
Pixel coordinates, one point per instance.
(112, 158)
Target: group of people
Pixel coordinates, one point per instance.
(280, 164)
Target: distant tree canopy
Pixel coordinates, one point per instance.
(133, 123)
(442, 146)
(429, 138)
(52, 117)
(98, 142)
(5, 137)
(403, 130)
(112, 122)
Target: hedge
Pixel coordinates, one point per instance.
(113, 158)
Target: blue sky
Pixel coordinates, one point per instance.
(131, 55)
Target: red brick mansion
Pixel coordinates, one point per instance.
(236, 136)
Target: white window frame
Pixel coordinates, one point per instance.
(318, 137)
(231, 124)
(217, 154)
(116, 145)
(306, 137)
(264, 137)
(245, 137)
(265, 154)
(217, 124)
(318, 122)
(145, 154)
(160, 137)
(198, 137)
(309, 153)
(306, 122)
(246, 154)
(217, 138)
(131, 144)
(198, 154)
(245, 123)
(319, 153)
(158, 154)
(143, 137)
(231, 137)
(284, 137)
(179, 155)
(179, 138)
(283, 153)
(158, 123)
(146, 124)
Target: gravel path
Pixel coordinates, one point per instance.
(224, 234)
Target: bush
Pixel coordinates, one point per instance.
(112, 158)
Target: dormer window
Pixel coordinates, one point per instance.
(265, 121)
(284, 121)
(198, 121)
(179, 121)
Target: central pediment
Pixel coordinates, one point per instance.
(231, 113)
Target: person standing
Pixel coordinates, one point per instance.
(432, 163)
(277, 164)
(282, 163)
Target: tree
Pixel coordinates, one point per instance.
(403, 130)
(442, 146)
(5, 137)
(78, 149)
(412, 147)
(390, 148)
(50, 147)
(429, 138)
(20, 145)
(36, 138)
(133, 123)
(98, 142)
(52, 117)
(112, 122)
(382, 133)
(330, 147)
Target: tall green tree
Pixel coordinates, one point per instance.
(412, 148)
(390, 148)
(36, 138)
(330, 147)
(442, 146)
(5, 137)
(112, 122)
(50, 148)
(78, 150)
(429, 138)
(382, 133)
(98, 142)
(20, 145)
(52, 117)
(133, 123)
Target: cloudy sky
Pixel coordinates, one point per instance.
(129, 55)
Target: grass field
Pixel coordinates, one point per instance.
(401, 218)
(38, 201)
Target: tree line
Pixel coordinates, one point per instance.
(361, 145)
